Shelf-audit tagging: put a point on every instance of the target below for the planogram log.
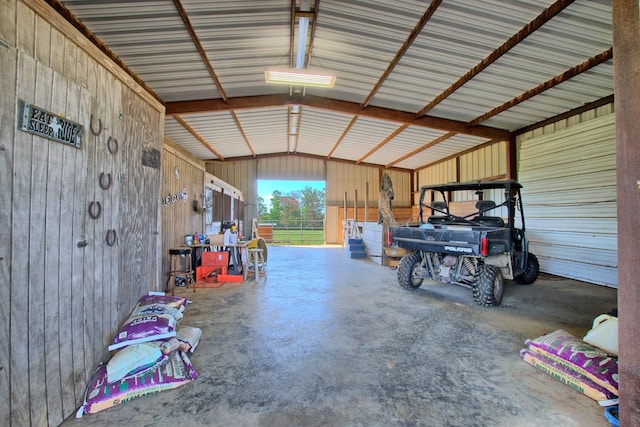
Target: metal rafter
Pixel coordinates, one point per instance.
(197, 136)
(194, 37)
(526, 31)
(344, 133)
(403, 49)
(382, 143)
(208, 105)
(244, 135)
(569, 74)
(430, 144)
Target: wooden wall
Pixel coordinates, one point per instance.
(67, 289)
(180, 172)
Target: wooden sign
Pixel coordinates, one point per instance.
(43, 123)
(151, 158)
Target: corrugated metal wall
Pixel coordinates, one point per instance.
(568, 171)
(485, 163)
(291, 168)
(488, 162)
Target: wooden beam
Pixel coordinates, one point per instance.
(560, 78)
(201, 51)
(207, 105)
(197, 136)
(526, 31)
(403, 49)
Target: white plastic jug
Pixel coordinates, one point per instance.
(604, 334)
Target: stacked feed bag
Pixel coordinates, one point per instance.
(576, 363)
(150, 355)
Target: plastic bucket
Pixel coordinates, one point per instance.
(604, 334)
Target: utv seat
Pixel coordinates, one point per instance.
(439, 218)
(487, 221)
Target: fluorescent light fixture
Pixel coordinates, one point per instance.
(291, 76)
(303, 27)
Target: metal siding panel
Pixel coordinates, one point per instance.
(569, 198)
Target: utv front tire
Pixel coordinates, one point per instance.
(531, 271)
(489, 286)
(407, 271)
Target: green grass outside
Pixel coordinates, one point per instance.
(298, 237)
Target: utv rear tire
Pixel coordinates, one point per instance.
(531, 270)
(406, 271)
(489, 286)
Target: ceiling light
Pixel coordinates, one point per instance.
(291, 76)
(303, 27)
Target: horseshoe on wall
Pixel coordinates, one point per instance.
(95, 214)
(111, 237)
(105, 185)
(112, 150)
(95, 132)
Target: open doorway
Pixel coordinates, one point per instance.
(291, 212)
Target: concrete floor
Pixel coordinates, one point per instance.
(325, 340)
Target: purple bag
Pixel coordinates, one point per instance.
(171, 372)
(574, 380)
(578, 356)
(172, 301)
(144, 328)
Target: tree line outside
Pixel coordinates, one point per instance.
(297, 217)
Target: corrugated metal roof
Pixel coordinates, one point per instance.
(358, 40)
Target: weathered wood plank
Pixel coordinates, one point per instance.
(113, 165)
(7, 21)
(82, 368)
(25, 36)
(70, 58)
(140, 199)
(89, 283)
(7, 134)
(20, 403)
(57, 49)
(53, 259)
(67, 254)
(42, 41)
(36, 252)
(100, 109)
